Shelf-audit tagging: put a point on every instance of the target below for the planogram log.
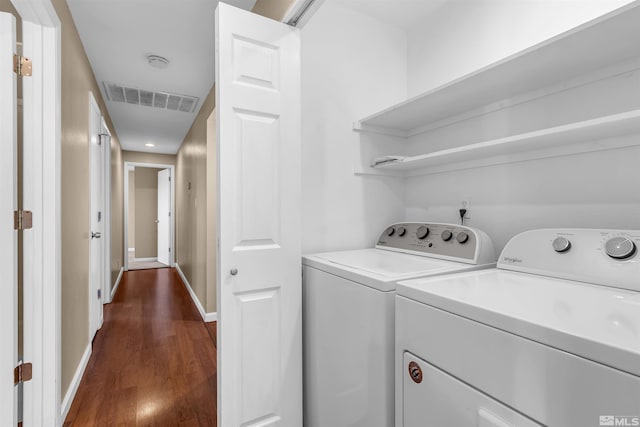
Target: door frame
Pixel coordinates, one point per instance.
(172, 237)
(41, 42)
(106, 215)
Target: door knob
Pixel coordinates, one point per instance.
(157, 221)
(96, 235)
(234, 271)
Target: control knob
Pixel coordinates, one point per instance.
(402, 231)
(462, 237)
(561, 244)
(390, 231)
(620, 248)
(446, 235)
(422, 232)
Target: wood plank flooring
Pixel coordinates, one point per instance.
(153, 361)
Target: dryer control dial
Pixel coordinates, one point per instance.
(462, 237)
(446, 235)
(561, 244)
(402, 231)
(620, 248)
(390, 231)
(422, 232)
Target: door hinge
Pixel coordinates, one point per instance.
(99, 293)
(22, 220)
(22, 373)
(22, 66)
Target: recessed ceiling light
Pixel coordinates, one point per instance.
(148, 144)
(158, 61)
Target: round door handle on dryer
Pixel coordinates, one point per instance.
(234, 271)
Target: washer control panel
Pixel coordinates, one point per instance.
(605, 257)
(438, 240)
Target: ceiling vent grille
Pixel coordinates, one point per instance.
(147, 98)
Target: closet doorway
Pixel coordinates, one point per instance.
(149, 213)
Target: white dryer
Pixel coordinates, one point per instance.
(549, 337)
(348, 317)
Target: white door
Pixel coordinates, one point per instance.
(259, 279)
(164, 216)
(96, 247)
(8, 236)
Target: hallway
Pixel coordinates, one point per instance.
(153, 361)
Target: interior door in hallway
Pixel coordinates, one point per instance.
(164, 216)
(8, 236)
(96, 242)
(259, 279)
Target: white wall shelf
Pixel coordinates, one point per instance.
(542, 143)
(610, 39)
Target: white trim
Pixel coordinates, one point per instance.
(115, 285)
(132, 249)
(75, 383)
(8, 237)
(206, 317)
(172, 238)
(211, 317)
(145, 259)
(106, 213)
(41, 33)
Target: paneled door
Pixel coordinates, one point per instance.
(8, 236)
(259, 274)
(96, 241)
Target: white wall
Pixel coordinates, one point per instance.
(599, 190)
(465, 35)
(352, 66)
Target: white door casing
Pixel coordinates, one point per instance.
(164, 218)
(259, 274)
(8, 236)
(96, 247)
(105, 136)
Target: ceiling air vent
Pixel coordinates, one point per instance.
(147, 98)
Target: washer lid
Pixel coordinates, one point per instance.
(380, 268)
(596, 322)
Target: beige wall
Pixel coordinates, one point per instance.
(117, 212)
(146, 229)
(77, 81)
(212, 211)
(131, 219)
(274, 9)
(191, 206)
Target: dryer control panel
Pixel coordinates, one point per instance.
(603, 257)
(444, 241)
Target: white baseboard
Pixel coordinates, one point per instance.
(115, 286)
(145, 259)
(75, 383)
(206, 317)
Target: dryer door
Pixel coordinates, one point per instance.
(433, 398)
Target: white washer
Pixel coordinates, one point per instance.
(348, 316)
(549, 337)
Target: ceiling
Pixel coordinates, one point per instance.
(118, 35)
(401, 13)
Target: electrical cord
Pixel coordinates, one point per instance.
(463, 212)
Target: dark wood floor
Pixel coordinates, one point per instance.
(153, 361)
